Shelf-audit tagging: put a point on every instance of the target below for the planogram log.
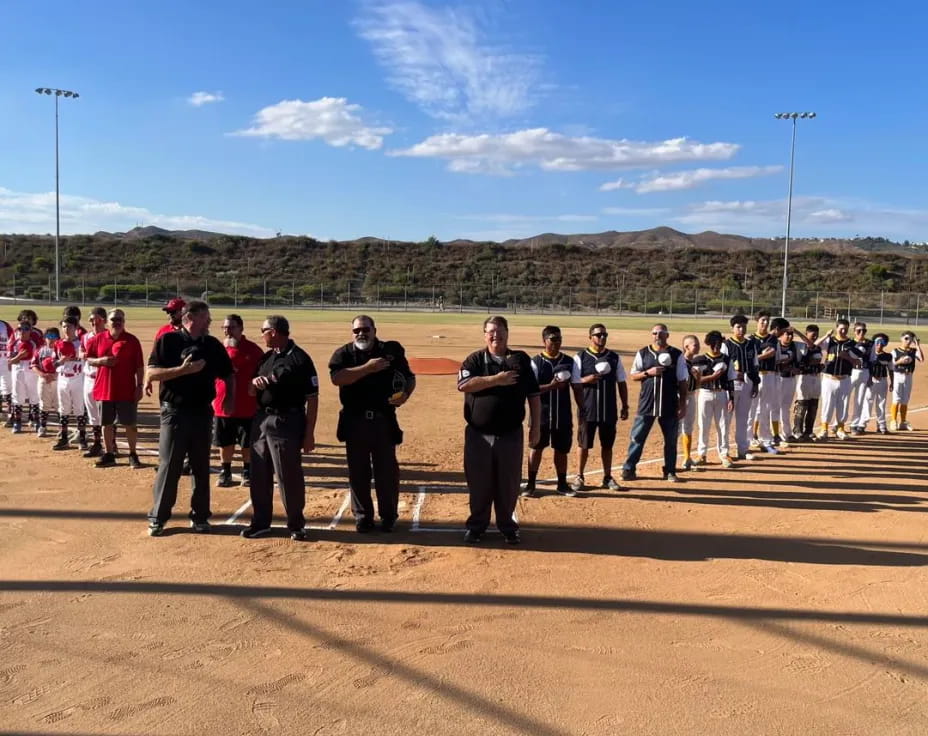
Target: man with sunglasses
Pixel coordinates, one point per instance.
(904, 358)
(187, 364)
(117, 355)
(234, 427)
(664, 379)
(286, 388)
(597, 372)
(553, 371)
(373, 379)
(861, 398)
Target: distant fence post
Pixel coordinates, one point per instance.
(917, 296)
(461, 306)
(671, 301)
(292, 293)
(265, 293)
(14, 288)
(83, 295)
(405, 297)
(752, 302)
(146, 291)
(881, 306)
(695, 301)
(849, 305)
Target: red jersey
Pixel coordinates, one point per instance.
(15, 345)
(165, 329)
(116, 382)
(245, 357)
(41, 357)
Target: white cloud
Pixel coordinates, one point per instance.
(198, 99)
(443, 60)
(331, 119)
(550, 151)
(512, 218)
(34, 212)
(676, 180)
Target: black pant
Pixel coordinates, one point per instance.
(185, 432)
(493, 468)
(370, 444)
(804, 413)
(277, 449)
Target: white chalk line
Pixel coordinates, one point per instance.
(346, 500)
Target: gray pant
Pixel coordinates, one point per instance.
(276, 449)
(370, 442)
(493, 468)
(184, 433)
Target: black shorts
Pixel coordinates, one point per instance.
(560, 439)
(229, 431)
(586, 433)
(125, 413)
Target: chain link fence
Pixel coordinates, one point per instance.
(228, 290)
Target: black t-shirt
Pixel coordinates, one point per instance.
(499, 409)
(196, 390)
(374, 390)
(293, 378)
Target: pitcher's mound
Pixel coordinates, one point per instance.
(434, 366)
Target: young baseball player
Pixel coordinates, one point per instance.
(44, 366)
(904, 358)
(21, 350)
(70, 385)
(91, 406)
(765, 343)
(688, 424)
(836, 378)
(716, 398)
(553, 370)
(881, 379)
(808, 386)
(6, 381)
(860, 399)
(28, 316)
(788, 359)
(743, 353)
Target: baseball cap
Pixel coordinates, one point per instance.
(175, 305)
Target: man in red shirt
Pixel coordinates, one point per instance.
(118, 386)
(234, 428)
(175, 310)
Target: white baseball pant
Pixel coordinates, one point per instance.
(785, 397)
(90, 404)
(48, 394)
(742, 416)
(878, 391)
(809, 387)
(713, 409)
(860, 397)
(765, 405)
(6, 379)
(902, 387)
(835, 394)
(25, 388)
(689, 421)
(71, 395)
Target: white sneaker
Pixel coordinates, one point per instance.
(906, 427)
(784, 445)
(749, 456)
(727, 463)
(41, 432)
(841, 434)
(771, 449)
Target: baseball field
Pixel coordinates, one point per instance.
(785, 596)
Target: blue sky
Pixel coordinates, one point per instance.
(488, 119)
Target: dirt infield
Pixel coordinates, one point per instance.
(786, 596)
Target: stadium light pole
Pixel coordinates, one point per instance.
(57, 93)
(794, 116)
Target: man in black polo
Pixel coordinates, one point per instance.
(287, 389)
(496, 382)
(187, 363)
(373, 379)
(664, 378)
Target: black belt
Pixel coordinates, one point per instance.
(192, 408)
(365, 413)
(279, 411)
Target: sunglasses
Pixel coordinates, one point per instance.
(266, 330)
(360, 330)
(860, 329)
(602, 335)
(658, 333)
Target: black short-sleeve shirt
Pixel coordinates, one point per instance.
(372, 392)
(196, 389)
(499, 409)
(292, 378)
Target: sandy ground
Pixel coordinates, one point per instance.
(786, 596)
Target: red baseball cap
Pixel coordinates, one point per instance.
(175, 305)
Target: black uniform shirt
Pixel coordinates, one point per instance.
(196, 389)
(293, 378)
(372, 392)
(500, 409)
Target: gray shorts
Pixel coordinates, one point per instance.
(119, 412)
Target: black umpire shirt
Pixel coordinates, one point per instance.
(373, 392)
(292, 378)
(196, 390)
(500, 409)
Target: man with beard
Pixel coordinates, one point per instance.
(187, 363)
(496, 382)
(234, 428)
(373, 379)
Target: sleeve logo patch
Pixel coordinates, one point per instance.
(465, 373)
(316, 381)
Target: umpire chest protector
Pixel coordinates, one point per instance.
(599, 398)
(659, 397)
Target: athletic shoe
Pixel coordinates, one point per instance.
(857, 431)
(821, 437)
(565, 490)
(528, 490)
(472, 537)
(883, 430)
(841, 434)
(96, 450)
(628, 475)
(512, 537)
(134, 461)
(252, 532)
(17, 428)
(298, 535)
(82, 445)
(8, 423)
(363, 526)
(610, 484)
(784, 445)
(200, 527)
(225, 479)
(672, 478)
(62, 444)
(700, 462)
(687, 464)
(107, 460)
(776, 440)
(246, 475)
(577, 483)
(755, 444)
(386, 525)
(727, 463)
(41, 432)
(906, 427)
(893, 427)
(155, 529)
(771, 450)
